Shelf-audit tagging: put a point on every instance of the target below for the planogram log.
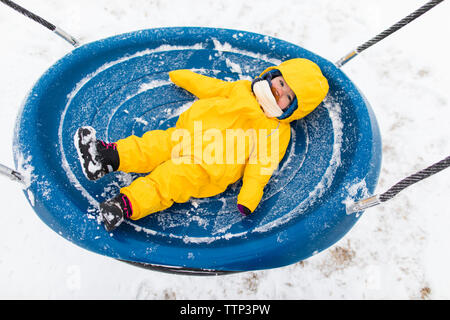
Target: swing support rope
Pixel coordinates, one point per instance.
(395, 189)
(42, 22)
(426, 7)
(372, 201)
(4, 170)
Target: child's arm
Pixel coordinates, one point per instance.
(257, 175)
(200, 85)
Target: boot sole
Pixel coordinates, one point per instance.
(108, 216)
(84, 141)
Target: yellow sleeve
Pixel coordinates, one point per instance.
(200, 85)
(258, 171)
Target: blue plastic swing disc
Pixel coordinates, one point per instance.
(120, 86)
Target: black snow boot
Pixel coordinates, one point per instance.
(115, 210)
(97, 157)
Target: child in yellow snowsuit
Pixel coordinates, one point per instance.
(234, 130)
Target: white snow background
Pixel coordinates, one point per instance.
(399, 250)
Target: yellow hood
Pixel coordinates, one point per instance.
(308, 83)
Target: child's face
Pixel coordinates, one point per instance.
(282, 92)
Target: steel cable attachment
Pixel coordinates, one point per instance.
(429, 5)
(42, 22)
(401, 185)
(11, 174)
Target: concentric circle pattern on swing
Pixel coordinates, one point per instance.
(120, 86)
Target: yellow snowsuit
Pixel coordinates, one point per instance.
(222, 137)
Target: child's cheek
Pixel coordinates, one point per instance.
(282, 103)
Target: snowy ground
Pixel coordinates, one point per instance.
(395, 251)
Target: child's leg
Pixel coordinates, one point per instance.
(142, 155)
(168, 183)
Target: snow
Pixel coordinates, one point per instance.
(398, 250)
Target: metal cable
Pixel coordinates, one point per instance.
(29, 14)
(387, 32)
(375, 200)
(42, 22)
(398, 25)
(414, 178)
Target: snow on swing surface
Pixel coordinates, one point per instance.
(120, 86)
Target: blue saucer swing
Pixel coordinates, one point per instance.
(120, 86)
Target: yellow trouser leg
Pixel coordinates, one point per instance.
(168, 183)
(142, 155)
